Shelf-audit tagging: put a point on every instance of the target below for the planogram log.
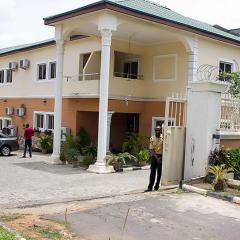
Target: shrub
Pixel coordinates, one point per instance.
(134, 143)
(72, 156)
(218, 157)
(233, 157)
(143, 156)
(83, 137)
(90, 150)
(88, 160)
(48, 132)
(46, 142)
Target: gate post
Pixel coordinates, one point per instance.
(203, 118)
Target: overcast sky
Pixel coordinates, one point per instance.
(21, 20)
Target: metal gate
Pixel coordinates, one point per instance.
(174, 131)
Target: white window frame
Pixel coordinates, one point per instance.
(49, 70)
(45, 119)
(4, 119)
(229, 61)
(175, 55)
(5, 83)
(155, 119)
(131, 60)
(48, 79)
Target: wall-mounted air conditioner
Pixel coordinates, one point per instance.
(20, 112)
(13, 66)
(65, 131)
(9, 111)
(24, 64)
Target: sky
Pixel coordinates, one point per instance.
(21, 21)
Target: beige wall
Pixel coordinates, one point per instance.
(211, 51)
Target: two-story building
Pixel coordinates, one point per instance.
(109, 69)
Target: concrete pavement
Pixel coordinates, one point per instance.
(35, 181)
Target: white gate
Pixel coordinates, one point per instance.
(174, 140)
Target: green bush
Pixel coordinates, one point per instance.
(90, 150)
(88, 160)
(46, 142)
(233, 157)
(134, 143)
(83, 137)
(121, 158)
(72, 155)
(218, 157)
(143, 156)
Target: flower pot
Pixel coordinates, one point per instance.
(75, 164)
(142, 163)
(209, 178)
(117, 166)
(219, 186)
(236, 175)
(44, 151)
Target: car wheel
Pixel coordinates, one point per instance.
(5, 151)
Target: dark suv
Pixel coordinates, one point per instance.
(8, 144)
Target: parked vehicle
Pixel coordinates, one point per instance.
(8, 144)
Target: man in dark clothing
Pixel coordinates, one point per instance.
(28, 133)
(156, 150)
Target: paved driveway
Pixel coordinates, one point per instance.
(34, 181)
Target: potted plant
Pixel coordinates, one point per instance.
(143, 157)
(90, 150)
(72, 156)
(46, 143)
(62, 154)
(219, 173)
(119, 160)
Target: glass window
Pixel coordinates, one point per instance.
(2, 76)
(130, 70)
(42, 69)
(52, 67)
(50, 122)
(39, 120)
(9, 76)
(224, 69)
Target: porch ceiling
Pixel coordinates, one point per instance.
(129, 28)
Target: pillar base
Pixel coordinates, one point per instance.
(55, 159)
(102, 169)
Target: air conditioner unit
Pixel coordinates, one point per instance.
(64, 132)
(9, 111)
(13, 66)
(24, 64)
(20, 112)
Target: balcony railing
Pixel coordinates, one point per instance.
(84, 77)
(128, 76)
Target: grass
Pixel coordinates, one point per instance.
(46, 232)
(10, 217)
(6, 235)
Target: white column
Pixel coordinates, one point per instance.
(109, 121)
(100, 165)
(58, 100)
(193, 60)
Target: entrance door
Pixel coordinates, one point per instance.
(174, 141)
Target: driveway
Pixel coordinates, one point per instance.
(36, 181)
(184, 216)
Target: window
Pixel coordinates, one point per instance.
(5, 122)
(224, 69)
(39, 121)
(1, 76)
(130, 69)
(9, 76)
(52, 70)
(165, 68)
(41, 71)
(44, 121)
(159, 121)
(50, 121)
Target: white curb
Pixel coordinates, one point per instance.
(194, 189)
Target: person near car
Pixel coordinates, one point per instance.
(28, 133)
(156, 151)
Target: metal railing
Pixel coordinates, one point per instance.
(230, 114)
(128, 76)
(84, 77)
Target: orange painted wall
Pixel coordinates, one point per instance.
(230, 143)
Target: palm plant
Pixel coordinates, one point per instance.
(219, 173)
(46, 143)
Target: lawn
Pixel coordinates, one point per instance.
(6, 235)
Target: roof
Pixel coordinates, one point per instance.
(143, 7)
(29, 46)
(152, 9)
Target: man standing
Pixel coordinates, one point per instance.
(156, 150)
(28, 133)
